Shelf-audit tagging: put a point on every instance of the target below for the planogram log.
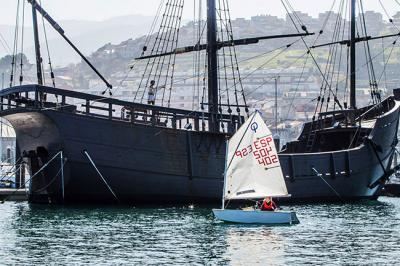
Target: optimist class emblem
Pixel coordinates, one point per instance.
(254, 127)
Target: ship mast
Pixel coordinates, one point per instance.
(37, 8)
(37, 47)
(353, 56)
(212, 52)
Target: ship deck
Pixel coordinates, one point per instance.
(36, 98)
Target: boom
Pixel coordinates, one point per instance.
(245, 41)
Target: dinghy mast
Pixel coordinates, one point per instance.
(226, 165)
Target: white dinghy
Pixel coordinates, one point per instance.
(253, 171)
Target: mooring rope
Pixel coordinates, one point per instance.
(320, 175)
(102, 177)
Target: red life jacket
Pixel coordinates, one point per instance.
(268, 206)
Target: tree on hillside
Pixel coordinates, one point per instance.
(5, 62)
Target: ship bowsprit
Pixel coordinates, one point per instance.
(148, 154)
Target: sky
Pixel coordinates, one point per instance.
(104, 9)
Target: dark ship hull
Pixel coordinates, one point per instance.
(144, 163)
(140, 163)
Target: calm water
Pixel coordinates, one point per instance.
(367, 233)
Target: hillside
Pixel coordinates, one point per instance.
(87, 35)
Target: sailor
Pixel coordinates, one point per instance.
(268, 205)
(152, 92)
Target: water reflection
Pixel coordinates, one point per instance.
(252, 245)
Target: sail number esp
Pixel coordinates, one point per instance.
(261, 150)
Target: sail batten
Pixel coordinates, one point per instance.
(253, 169)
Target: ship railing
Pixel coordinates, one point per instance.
(42, 98)
(375, 110)
(357, 115)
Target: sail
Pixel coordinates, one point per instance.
(253, 169)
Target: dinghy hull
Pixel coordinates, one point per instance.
(256, 217)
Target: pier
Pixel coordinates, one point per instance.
(13, 194)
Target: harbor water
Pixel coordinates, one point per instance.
(333, 234)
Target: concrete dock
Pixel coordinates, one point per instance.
(12, 194)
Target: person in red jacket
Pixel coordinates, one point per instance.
(268, 205)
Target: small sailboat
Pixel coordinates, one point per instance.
(253, 171)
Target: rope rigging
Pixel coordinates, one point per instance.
(343, 32)
(175, 43)
(335, 60)
(4, 44)
(390, 19)
(228, 64)
(18, 56)
(48, 51)
(374, 90)
(236, 66)
(295, 18)
(15, 46)
(221, 78)
(147, 41)
(277, 74)
(336, 52)
(172, 27)
(159, 71)
(21, 64)
(158, 77)
(385, 60)
(156, 47)
(291, 12)
(297, 88)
